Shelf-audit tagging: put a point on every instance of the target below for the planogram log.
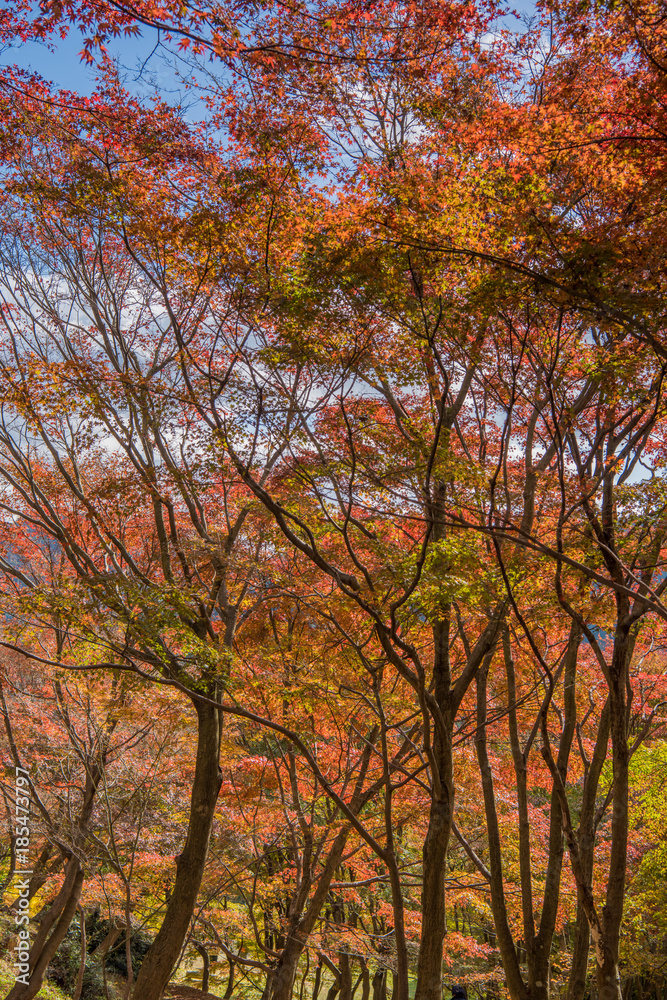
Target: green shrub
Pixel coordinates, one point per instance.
(97, 929)
(64, 968)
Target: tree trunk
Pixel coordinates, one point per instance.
(539, 945)
(41, 956)
(59, 915)
(105, 946)
(318, 980)
(434, 855)
(436, 842)
(441, 814)
(206, 970)
(334, 990)
(56, 907)
(504, 940)
(41, 874)
(398, 909)
(578, 979)
(159, 962)
(128, 945)
(282, 978)
(9, 877)
(280, 984)
(230, 979)
(380, 984)
(345, 976)
(607, 972)
(83, 954)
(605, 928)
(365, 979)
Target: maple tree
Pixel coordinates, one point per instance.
(112, 556)
(369, 319)
(77, 738)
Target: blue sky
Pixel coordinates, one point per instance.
(64, 67)
(135, 56)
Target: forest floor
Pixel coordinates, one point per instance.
(49, 991)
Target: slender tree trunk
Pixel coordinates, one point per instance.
(578, 978)
(41, 873)
(56, 908)
(334, 989)
(537, 958)
(206, 959)
(441, 813)
(380, 984)
(607, 971)
(505, 942)
(304, 977)
(159, 962)
(436, 842)
(605, 927)
(300, 927)
(42, 957)
(365, 979)
(345, 976)
(434, 857)
(538, 949)
(59, 915)
(281, 984)
(83, 954)
(398, 908)
(105, 946)
(128, 946)
(9, 877)
(230, 979)
(318, 980)
(397, 901)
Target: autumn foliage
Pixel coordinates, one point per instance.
(333, 513)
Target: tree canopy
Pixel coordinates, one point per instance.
(333, 509)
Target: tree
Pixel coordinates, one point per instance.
(381, 304)
(148, 537)
(72, 740)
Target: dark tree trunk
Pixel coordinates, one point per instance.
(441, 816)
(380, 984)
(434, 858)
(365, 979)
(58, 916)
(107, 943)
(318, 980)
(504, 939)
(281, 983)
(159, 962)
(607, 958)
(82, 960)
(43, 950)
(334, 989)
(206, 959)
(605, 926)
(282, 979)
(345, 976)
(578, 979)
(230, 980)
(539, 945)
(40, 872)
